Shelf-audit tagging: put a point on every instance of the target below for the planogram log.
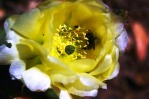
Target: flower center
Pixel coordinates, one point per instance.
(71, 43)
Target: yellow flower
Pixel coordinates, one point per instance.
(71, 46)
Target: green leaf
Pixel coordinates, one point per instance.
(3, 38)
(51, 94)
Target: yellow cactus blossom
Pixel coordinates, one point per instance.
(71, 46)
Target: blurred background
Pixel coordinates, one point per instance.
(133, 79)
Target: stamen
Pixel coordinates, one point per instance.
(71, 43)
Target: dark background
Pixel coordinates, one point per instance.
(133, 79)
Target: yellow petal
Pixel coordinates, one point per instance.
(9, 22)
(34, 46)
(107, 62)
(58, 70)
(94, 3)
(28, 25)
(76, 18)
(31, 52)
(87, 85)
(82, 65)
(102, 66)
(108, 73)
(98, 25)
(113, 67)
(114, 72)
(26, 51)
(53, 18)
(97, 52)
